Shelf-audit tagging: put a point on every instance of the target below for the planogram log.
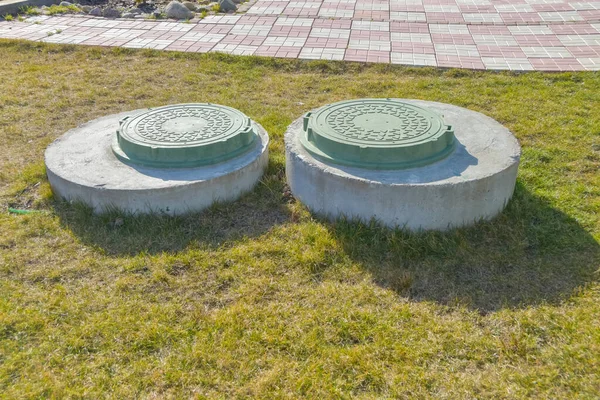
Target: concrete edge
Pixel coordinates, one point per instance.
(198, 195)
(13, 6)
(292, 143)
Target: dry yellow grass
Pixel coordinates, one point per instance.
(257, 298)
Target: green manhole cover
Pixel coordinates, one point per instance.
(377, 134)
(184, 135)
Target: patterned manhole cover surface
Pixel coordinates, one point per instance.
(377, 134)
(184, 135)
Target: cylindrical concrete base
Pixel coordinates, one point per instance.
(81, 166)
(474, 182)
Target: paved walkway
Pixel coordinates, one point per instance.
(549, 35)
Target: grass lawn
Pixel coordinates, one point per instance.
(260, 299)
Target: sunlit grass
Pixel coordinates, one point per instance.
(258, 298)
(57, 9)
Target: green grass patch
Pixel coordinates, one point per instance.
(56, 9)
(29, 10)
(260, 299)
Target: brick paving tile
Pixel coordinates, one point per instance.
(518, 35)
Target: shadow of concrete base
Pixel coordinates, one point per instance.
(530, 254)
(120, 233)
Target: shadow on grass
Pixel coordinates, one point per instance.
(530, 254)
(124, 234)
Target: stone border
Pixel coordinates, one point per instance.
(13, 6)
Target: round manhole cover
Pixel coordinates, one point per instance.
(184, 135)
(377, 134)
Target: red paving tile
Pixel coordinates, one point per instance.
(561, 35)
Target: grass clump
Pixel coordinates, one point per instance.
(260, 299)
(57, 9)
(29, 10)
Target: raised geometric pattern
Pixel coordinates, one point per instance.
(352, 122)
(184, 135)
(377, 133)
(192, 125)
(210, 123)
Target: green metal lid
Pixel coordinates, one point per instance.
(184, 135)
(377, 134)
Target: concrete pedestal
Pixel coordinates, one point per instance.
(81, 166)
(474, 182)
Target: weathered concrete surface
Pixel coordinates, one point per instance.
(81, 166)
(475, 182)
(13, 6)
